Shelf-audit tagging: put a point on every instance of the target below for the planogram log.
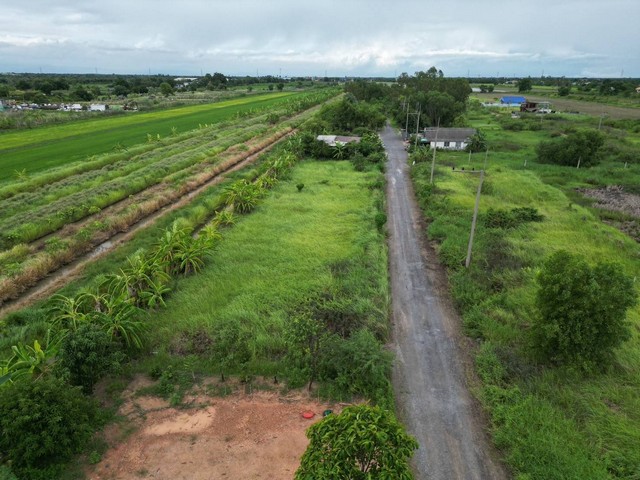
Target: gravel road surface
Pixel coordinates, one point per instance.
(430, 368)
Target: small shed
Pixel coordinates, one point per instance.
(98, 107)
(512, 100)
(449, 138)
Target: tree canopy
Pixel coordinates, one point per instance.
(582, 309)
(584, 146)
(362, 442)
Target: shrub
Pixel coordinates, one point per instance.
(360, 366)
(584, 146)
(43, 423)
(582, 310)
(87, 354)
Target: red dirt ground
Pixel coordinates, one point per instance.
(259, 435)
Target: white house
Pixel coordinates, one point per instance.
(97, 107)
(448, 138)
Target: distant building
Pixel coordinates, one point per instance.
(98, 107)
(331, 140)
(448, 138)
(536, 107)
(512, 100)
(637, 89)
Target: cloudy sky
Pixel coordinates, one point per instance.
(593, 38)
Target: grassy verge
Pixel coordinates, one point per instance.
(551, 422)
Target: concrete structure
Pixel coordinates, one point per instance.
(331, 140)
(448, 138)
(98, 107)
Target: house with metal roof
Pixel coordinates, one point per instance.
(512, 100)
(448, 138)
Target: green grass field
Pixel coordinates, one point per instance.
(273, 259)
(551, 422)
(47, 147)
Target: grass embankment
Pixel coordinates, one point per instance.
(46, 147)
(551, 422)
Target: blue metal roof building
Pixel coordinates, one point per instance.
(512, 100)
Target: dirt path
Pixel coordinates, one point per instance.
(429, 371)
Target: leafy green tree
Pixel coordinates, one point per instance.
(166, 89)
(42, 424)
(280, 86)
(582, 310)
(584, 146)
(478, 142)
(360, 443)
(525, 85)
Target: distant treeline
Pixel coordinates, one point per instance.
(51, 88)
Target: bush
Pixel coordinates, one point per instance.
(585, 146)
(582, 310)
(87, 354)
(359, 366)
(43, 423)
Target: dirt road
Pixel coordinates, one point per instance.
(429, 371)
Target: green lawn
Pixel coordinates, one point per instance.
(47, 147)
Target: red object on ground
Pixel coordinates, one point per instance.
(308, 415)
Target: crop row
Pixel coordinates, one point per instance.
(24, 265)
(29, 216)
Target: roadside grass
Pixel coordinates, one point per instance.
(42, 148)
(550, 422)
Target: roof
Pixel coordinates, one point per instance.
(512, 99)
(331, 140)
(449, 134)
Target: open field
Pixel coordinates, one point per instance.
(551, 422)
(571, 105)
(47, 147)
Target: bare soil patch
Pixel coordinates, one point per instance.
(257, 435)
(614, 198)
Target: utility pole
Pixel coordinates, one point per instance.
(435, 148)
(467, 262)
(417, 128)
(406, 128)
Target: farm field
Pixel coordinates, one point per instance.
(89, 201)
(551, 421)
(53, 146)
(318, 241)
(571, 105)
